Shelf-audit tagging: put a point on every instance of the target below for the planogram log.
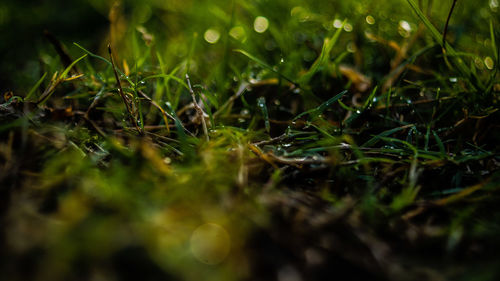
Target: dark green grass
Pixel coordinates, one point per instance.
(346, 139)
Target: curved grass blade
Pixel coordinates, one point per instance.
(447, 48)
(56, 80)
(68, 69)
(322, 107)
(448, 21)
(264, 64)
(324, 57)
(384, 134)
(37, 85)
(167, 76)
(439, 143)
(106, 61)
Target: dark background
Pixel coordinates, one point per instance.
(22, 25)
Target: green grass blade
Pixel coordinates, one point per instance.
(438, 37)
(369, 101)
(439, 143)
(322, 107)
(37, 85)
(434, 32)
(493, 41)
(264, 64)
(261, 103)
(106, 61)
(94, 55)
(324, 57)
(167, 76)
(67, 70)
(378, 137)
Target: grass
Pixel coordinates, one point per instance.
(257, 140)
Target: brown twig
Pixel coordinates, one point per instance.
(164, 114)
(199, 110)
(122, 94)
(271, 141)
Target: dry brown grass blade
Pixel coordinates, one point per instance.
(446, 200)
(460, 195)
(165, 115)
(122, 94)
(262, 155)
(199, 110)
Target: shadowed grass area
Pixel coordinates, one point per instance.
(253, 140)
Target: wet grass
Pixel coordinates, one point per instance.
(257, 140)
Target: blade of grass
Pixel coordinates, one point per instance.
(35, 87)
(186, 149)
(493, 40)
(164, 114)
(122, 94)
(322, 107)
(496, 54)
(167, 76)
(261, 103)
(324, 56)
(378, 137)
(56, 80)
(439, 143)
(200, 112)
(106, 61)
(427, 135)
(448, 21)
(447, 49)
(369, 101)
(262, 63)
(68, 69)
(137, 100)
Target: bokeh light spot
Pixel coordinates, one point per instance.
(370, 20)
(237, 33)
(211, 36)
(261, 24)
(210, 243)
(494, 5)
(488, 61)
(337, 23)
(348, 27)
(404, 29)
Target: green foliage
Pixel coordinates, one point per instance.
(337, 130)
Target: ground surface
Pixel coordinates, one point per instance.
(249, 140)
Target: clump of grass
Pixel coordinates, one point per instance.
(313, 136)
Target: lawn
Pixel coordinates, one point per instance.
(249, 140)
